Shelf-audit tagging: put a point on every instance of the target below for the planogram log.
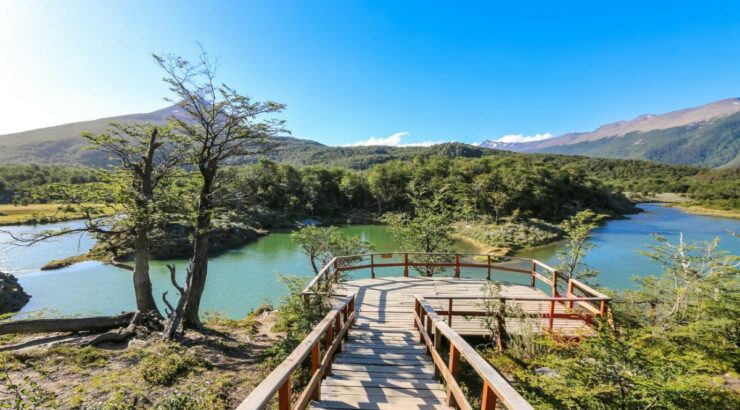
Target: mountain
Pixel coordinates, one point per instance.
(708, 135)
(63, 145)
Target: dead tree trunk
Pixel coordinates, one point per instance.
(175, 314)
(87, 324)
(114, 336)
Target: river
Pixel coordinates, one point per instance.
(244, 278)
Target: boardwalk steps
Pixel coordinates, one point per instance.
(382, 366)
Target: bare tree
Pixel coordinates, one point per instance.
(219, 126)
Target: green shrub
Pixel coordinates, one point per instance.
(163, 369)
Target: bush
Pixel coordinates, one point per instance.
(163, 369)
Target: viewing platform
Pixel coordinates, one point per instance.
(395, 339)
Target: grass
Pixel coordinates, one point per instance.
(209, 370)
(703, 210)
(42, 213)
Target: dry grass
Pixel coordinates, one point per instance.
(701, 210)
(214, 369)
(41, 213)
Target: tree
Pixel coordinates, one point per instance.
(146, 159)
(323, 244)
(428, 231)
(699, 282)
(577, 231)
(219, 127)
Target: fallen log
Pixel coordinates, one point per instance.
(86, 324)
(114, 336)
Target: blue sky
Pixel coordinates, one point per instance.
(352, 70)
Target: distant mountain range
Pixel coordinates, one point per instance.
(708, 135)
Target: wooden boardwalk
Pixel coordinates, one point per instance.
(383, 364)
(396, 342)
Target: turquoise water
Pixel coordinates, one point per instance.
(618, 242)
(242, 279)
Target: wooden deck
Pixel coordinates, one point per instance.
(395, 342)
(389, 302)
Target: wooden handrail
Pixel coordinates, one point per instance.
(335, 326)
(495, 387)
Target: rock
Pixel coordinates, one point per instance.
(175, 241)
(545, 371)
(12, 296)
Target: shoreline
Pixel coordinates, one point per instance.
(701, 210)
(39, 214)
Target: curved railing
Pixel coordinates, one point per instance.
(568, 291)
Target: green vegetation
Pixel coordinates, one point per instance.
(322, 244)
(682, 353)
(427, 230)
(509, 234)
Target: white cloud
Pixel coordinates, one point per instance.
(525, 138)
(394, 140)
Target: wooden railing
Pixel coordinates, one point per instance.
(495, 388)
(582, 301)
(333, 328)
(540, 273)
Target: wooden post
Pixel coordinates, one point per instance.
(501, 325)
(338, 327)
(405, 265)
(488, 276)
(336, 271)
(315, 360)
(372, 265)
(554, 283)
(449, 312)
(284, 395)
(534, 270)
(327, 344)
(453, 365)
(437, 345)
(417, 308)
(457, 265)
(428, 330)
(602, 308)
(552, 314)
(488, 401)
(422, 316)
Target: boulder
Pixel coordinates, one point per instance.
(12, 296)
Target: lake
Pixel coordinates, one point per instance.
(244, 278)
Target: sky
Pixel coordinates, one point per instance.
(377, 72)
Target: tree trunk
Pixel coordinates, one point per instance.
(199, 263)
(142, 283)
(142, 242)
(87, 324)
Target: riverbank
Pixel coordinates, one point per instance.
(43, 213)
(702, 210)
(505, 238)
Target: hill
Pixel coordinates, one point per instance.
(62, 145)
(708, 135)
